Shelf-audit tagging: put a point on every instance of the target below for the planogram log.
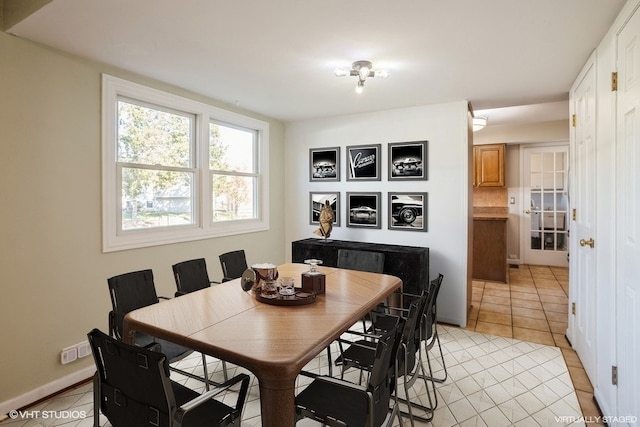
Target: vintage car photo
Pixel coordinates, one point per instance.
(363, 210)
(407, 211)
(324, 164)
(408, 160)
(317, 202)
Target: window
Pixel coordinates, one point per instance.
(177, 170)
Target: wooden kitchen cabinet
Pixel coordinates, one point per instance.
(488, 165)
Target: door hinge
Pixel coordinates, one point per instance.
(573, 120)
(614, 375)
(573, 214)
(614, 81)
(573, 308)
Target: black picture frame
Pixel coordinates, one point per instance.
(408, 211)
(363, 162)
(324, 164)
(364, 209)
(408, 161)
(316, 202)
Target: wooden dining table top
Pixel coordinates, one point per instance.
(273, 342)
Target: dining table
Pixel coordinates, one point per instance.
(274, 342)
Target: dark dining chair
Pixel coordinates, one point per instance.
(233, 264)
(132, 388)
(191, 276)
(355, 259)
(409, 367)
(336, 402)
(134, 290)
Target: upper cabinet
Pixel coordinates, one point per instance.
(488, 165)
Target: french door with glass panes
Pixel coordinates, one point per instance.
(546, 205)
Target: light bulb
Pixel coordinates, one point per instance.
(359, 87)
(363, 72)
(383, 74)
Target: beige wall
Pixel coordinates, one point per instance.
(53, 288)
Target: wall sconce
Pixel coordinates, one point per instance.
(363, 70)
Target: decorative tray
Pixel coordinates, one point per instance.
(299, 298)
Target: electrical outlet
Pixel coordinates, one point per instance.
(84, 349)
(68, 355)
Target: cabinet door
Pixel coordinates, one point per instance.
(489, 165)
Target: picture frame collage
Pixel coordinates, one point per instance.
(407, 161)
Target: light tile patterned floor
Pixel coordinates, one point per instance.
(534, 307)
(493, 381)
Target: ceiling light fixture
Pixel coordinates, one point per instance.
(479, 122)
(363, 70)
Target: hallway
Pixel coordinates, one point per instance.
(532, 307)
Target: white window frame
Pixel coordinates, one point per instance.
(113, 237)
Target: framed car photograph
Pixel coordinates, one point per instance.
(317, 200)
(363, 210)
(408, 160)
(363, 162)
(408, 211)
(324, 164)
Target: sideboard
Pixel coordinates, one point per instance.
(409, 263)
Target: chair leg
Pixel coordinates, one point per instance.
(96, 400)
(205, 371)
(444, 366)
(224, 370)
(409, 379)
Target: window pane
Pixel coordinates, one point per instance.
(156, 198)
(233, 197)
(152, 137)
(231, 149)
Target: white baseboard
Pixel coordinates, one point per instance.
(45, 390)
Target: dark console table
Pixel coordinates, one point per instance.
(409, 263)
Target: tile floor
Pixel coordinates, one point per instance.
(533, 307)
(506, 369)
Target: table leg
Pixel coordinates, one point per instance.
(277, 403)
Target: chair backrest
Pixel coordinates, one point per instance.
(355, 259)
(410, 338)
(430, 310)
(191, 276)
(381, 377)
(132, 383)
(233, 264)
(128, 292)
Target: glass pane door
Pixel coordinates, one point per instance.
(546, 173)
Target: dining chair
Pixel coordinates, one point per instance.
(430, 329)
(191, 276)
(132, 387)
(133, 290)
(336, 402)
(355, 259)
(409, 367)
(233, 264)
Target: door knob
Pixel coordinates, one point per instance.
(527, 211)
(589, 242)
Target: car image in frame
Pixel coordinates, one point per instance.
(324, 164)
(407, 211)
(363, 210)
(408, 160)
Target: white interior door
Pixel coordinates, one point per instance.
(546, 205)
(628, 219)
(582, 290)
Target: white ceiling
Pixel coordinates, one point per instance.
(277, 57)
